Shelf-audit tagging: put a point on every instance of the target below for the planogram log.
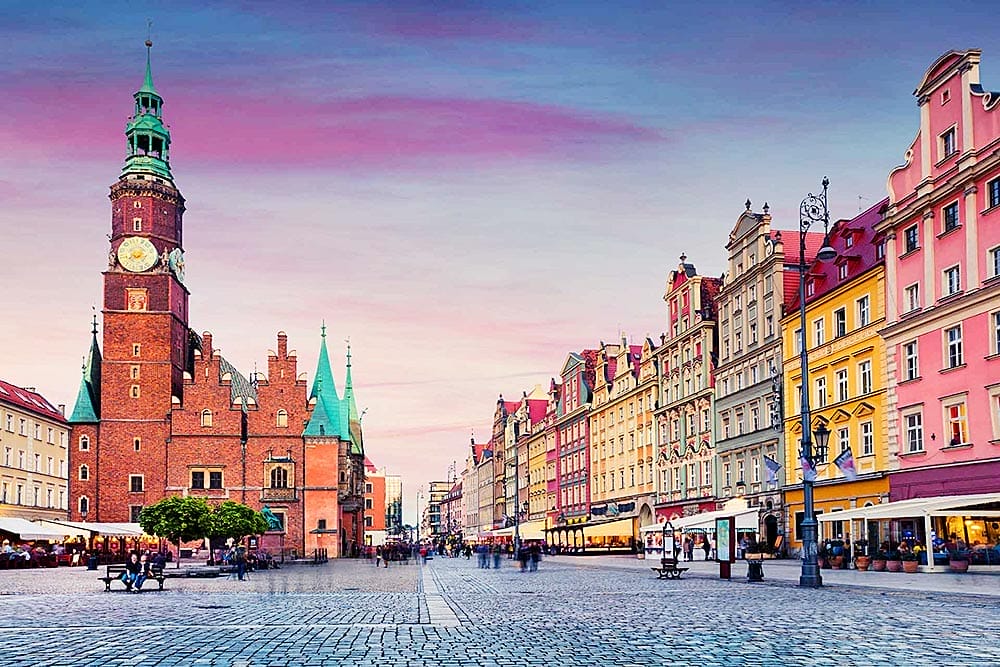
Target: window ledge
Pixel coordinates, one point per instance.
(991, 357)
(949, 231)
(909, 380)
(952, 368)
(950, 297)
(911, 313)
(961, 445)
(910, 252)
(990, 209)
(992, 279)
(907, 455)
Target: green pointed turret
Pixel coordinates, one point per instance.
(88, 399)
(349, 410)
(326, 415)
(147, 139)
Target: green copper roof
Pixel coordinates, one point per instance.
(88, 400)
(326, 418)
(349, 409)
(148, 139)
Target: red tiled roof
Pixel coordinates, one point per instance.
(477, 452)
(860, 257)
(369, 466)
(30, 400)
(536, 409)
(790, 284)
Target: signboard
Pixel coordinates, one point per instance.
(725, 548)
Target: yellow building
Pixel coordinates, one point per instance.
(845, 307)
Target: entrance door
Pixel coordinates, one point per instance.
(770, 529)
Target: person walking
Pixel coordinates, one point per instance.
(496, 556)
(688, 548)
(706, 544)
(378, 555)
(535, 553)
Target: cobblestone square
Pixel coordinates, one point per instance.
(572, 612)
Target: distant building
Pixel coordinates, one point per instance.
(394, 505)
(33, 469)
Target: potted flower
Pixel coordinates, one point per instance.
(821, 556)
(862, 563)
(892, 562)
(910, 562)
(836, 554)
(958, 560)
(878, 562)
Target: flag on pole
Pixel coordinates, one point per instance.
(808, 470)
(846, 464)
(772, 469)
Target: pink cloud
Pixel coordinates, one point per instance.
(374, 131)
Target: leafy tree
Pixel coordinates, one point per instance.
(177, 519)
(234, 520)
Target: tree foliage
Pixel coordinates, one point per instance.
(232, 519)
(177, 519)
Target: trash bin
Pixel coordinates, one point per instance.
(91, 562)
(755, 570)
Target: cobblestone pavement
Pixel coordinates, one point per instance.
(572, 612)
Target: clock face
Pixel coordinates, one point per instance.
(176, 261)
(137, 253)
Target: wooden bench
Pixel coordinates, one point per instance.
(668, 569)
(114, 573)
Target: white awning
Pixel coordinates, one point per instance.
(66, 528)
(980, 504)
(106, 529)
(619, 528)
(28, 530)
(533, 530)
(746, 520)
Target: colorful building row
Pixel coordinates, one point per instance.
(902, 337)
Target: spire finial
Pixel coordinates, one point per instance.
(323, 329)
(748, 203)
(147, 85)
(348, 341)
(93, 328)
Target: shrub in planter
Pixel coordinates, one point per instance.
(862, 563)
(958, 561)
(910, 562)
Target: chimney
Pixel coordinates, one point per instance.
(62, 409)
(206, 346)
(282, 345)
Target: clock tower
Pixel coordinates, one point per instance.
(145, 310)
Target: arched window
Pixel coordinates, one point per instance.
(206, 417)
(282, 419)
(84, 473)
(279, 478)
(84, 443)
(84, 505)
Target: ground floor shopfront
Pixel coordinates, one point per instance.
(828, 499)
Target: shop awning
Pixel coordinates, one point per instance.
(67, 529)
(93, 528)
(980, 504)
(746, 520)
(28, 530)
(619, 528)
(533, 530)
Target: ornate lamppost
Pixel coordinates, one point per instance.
(813, 209)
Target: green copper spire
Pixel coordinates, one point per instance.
(326, 415)
(147, 139)
(88, 399)
(349, 409)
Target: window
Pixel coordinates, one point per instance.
(911, 294)
(279, 478)
(957, 424)
(136, 349)
(706, 467)
(992, 258)
(954, 355)
(84, 473)
(839, 322)
(135, 391)
(206, 417)
(950, 214)
(135, 372)
(134, 511)
(38, 431)
(913, 423)
(84, 443)
(755, 470)
(368, 504)
(952, 281)
(948, 145)
(819, 331)
(769, 325)
(755, 418)
(864, 311)
(22, 428)
(197, 479)
(996, 333)
(727, 474)
(215, 479)
(867, 439)
(842, 271)
(811, 288)
(84, 505)
(993, 193)
(844, 438)
(740, 476)
(369, 522)
(135, 483)
(849, 240)
(798, 341)
(842, 385)
(50, 436)
(911, 239)
(136, 224)
(820, 392)
(692, 475)
(880, 250)
(911, 360)
(865, 378)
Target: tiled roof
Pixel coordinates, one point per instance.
(29, 400)
(790, 282)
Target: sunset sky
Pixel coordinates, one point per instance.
(467, 190)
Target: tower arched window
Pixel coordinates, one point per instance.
(282, 421)
(206, 417)
(84, 473)
(84, 505)
(279, 478)
(84, 443)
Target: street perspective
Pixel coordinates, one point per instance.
(495, 333)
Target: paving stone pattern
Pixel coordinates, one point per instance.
(570, 612)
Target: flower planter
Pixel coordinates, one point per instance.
(958, 565)
(910, 566)
(894, 566)
(862, 563)
(878, 565)
(836, 562)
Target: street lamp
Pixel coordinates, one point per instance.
(813, 209)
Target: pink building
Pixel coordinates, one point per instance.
(942, 230)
